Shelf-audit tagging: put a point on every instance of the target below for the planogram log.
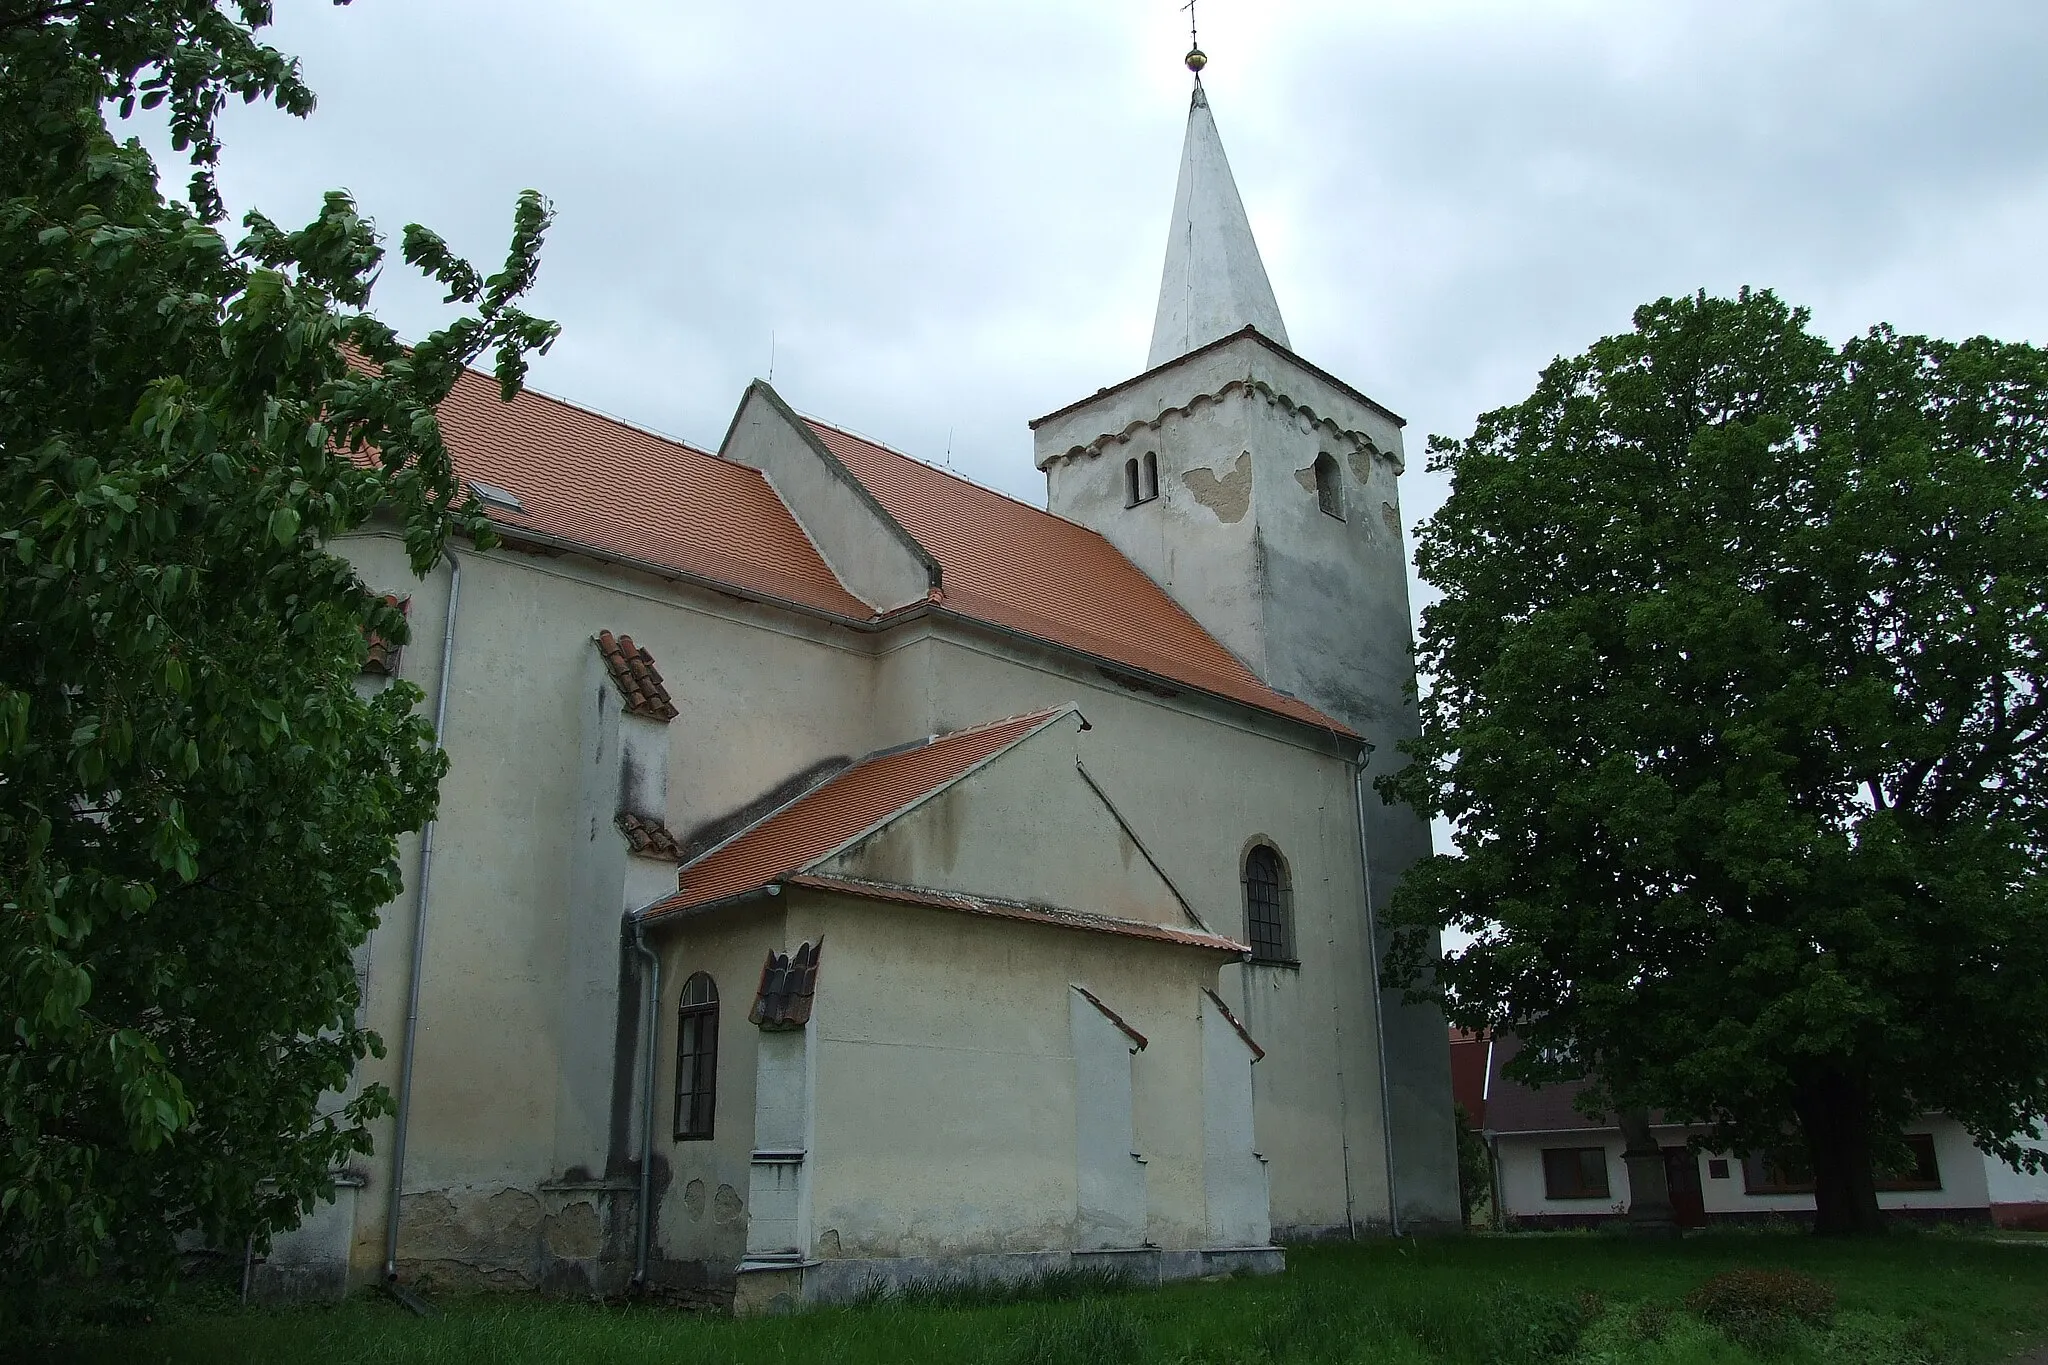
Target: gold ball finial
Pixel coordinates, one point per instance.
(1197, 59)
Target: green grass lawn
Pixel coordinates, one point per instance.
(1473, 1301)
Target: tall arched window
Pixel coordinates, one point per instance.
(1268, 906)
(1329, 485)
(696, 1057)
(1131, 482)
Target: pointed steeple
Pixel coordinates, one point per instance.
(1215, 283)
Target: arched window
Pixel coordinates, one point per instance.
(696, 1057)
(1131, 498)
(1268, 906)
(1329, 486)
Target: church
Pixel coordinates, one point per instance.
(847, 876)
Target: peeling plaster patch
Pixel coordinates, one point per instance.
(726, 1208)
(1361, 463)
(1229, 497)
(1307, 477)
(574, 1232)
(1391, 518)
(828, 1245)
(693, 1200)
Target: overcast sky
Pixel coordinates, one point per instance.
(951, 215)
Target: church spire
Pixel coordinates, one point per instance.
(1214, 283)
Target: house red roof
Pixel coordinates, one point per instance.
(835, 813)
(1013, 565)
(600, 482)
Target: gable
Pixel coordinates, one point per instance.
(867, 548)
(1024, 827)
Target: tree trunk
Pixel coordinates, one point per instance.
(1836, 1119)
(1649, 1193)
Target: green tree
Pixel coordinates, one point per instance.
(1475, 1165)
(1737, 712)
(198, 811)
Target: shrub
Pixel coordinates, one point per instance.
(1759, 1309)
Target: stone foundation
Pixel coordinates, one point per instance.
(776, 1287)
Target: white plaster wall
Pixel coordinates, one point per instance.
(1109, 1169)
(2009, 1185)
(762, 694)
(1025, 826)
(1233, 1172)
(945, 1114)
(1522, 1189)
(868, 552)
(1197, 788)
(702, 1210)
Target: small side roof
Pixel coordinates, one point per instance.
(838, 812)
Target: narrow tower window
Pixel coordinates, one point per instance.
(1329, 486)
(1268, 906)
(696, 1057)
(1141, 479)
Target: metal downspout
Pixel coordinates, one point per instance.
(1372, 949)
(645, 1210)
(419, 939)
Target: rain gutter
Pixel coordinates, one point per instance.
(408, 1047)
(1372, 950)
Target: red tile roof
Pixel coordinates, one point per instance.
(1013, 565)
(1019, 910)
(832, 815)
(597, 481)
(593, 480)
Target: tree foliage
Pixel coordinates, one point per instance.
(198, 810)
(1737, 712)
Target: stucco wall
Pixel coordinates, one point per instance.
(1026, 826)
(1197, 790)
(762, 693)
(945, 1118)
(702, 1184)
(1522, 1189)
(1316, 604)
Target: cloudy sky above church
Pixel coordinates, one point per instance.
(950, 217)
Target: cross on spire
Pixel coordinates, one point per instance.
(1196, 58)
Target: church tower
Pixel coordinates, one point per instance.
(1260, 492)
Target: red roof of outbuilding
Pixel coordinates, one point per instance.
(837, 812)
(1011, 564)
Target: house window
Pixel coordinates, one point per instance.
(1717, 1168)
(1575, 1172)
(1919, 1170)
(1780, 1170)
(1268, 906)
(696, 1057)
(1141, 479)
(1329, 486)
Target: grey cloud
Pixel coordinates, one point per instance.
(951, 217)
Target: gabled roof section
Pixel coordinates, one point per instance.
(835, 814)
(1022, 568)
(596, 481)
